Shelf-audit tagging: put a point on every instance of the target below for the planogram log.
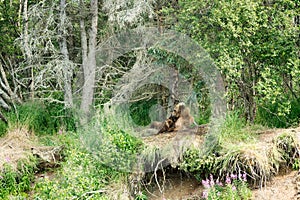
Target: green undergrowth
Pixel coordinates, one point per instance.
(277, 115)
(99, 158)
(41, 118)
(111, 143)
(17, 182)
(80, 176)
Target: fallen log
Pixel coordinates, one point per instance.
(48, 157)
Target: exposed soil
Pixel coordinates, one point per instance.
(176, 186)
(282, 187)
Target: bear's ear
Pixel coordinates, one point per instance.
(181, 106)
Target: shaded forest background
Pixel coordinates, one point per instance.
(48, 51)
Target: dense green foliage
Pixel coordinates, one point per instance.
(139, 112)
(10, 24)
(17, 181)
(255, 44)
(90, 168)
(111, 143)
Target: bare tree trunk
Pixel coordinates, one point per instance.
(173, 98)
(67, 70)
(27, 48)
(89, 61)
(20, 14)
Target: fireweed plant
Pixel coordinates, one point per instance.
(235, 187)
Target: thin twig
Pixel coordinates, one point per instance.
(155, 170)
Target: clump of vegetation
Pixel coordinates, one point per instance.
(111, 143)
(238, 149)
(235, 187)
(139, 112)
(287, 146)
(17, 164)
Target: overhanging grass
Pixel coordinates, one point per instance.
(237, 149)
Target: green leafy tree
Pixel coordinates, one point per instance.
(255, 44)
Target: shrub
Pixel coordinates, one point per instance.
(3, 128)
(113, 145)
(139, 112)
(270, 115)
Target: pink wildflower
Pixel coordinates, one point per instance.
(245, 177)
(205, 194)
(219, 183)
(233, 176)
(228, 180)
(205, 183)
(212, 182)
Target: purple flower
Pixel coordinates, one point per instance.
(205, 183)
(205, 194)
(212, 182)
(233, 176)
(233, 188)
(219, 194)
(1, 177)
(7, 159)
(228, 180)
(219, 183)
(244, 177)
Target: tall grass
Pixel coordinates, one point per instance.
(41, 118)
